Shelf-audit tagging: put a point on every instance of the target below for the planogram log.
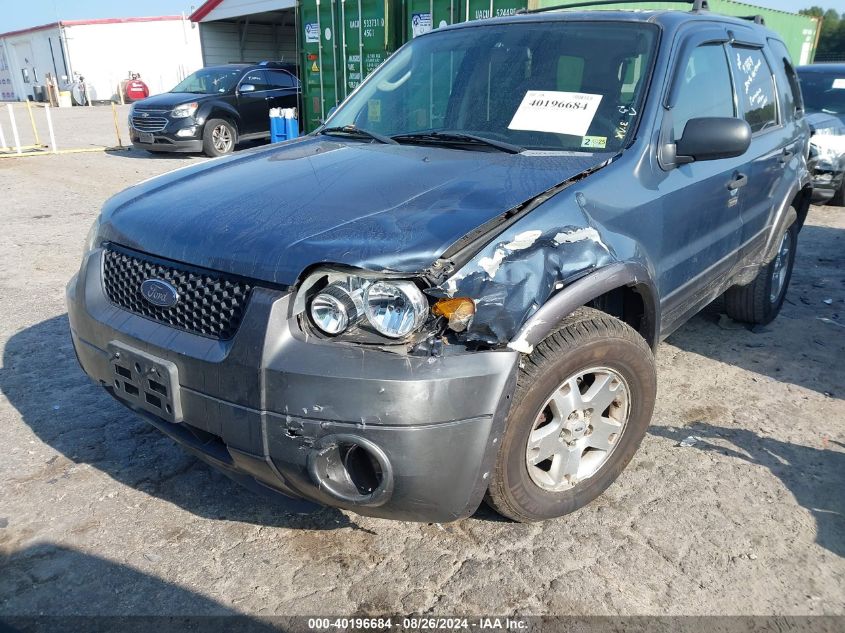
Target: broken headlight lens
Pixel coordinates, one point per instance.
(395, 308)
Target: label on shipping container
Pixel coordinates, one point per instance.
(312, 33)
(839, 84)
(420, 24)
(556, 112)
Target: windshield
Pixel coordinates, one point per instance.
(823, 92)
(209, 81)
(553, 86)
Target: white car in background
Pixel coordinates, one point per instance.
(823, 88)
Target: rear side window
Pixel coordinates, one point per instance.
(793, 102)
(705, 89)
(281, 79)
(755, 86)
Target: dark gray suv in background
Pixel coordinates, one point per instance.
(453, 289)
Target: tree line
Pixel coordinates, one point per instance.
(832, 38)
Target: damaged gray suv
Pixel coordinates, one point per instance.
(452, 290)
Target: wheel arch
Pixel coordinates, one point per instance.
(624, 290)
(227, 113)
(801, 203)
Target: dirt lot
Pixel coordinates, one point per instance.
(100, 514)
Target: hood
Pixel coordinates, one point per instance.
(825, 121)
(271, 213)
(168, 100)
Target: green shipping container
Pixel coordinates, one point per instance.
(343, 41)
(797, 31)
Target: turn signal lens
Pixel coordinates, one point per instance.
(458, 312)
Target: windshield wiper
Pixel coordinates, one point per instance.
(461, 138)
(352, 130)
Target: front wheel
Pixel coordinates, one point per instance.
(582, 404)
(760, 301)
(218, 138)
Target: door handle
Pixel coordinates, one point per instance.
(784, 158)
(739, 180)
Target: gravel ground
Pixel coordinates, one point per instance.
(98, 509)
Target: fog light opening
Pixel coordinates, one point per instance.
(363, 469)
(352, 469)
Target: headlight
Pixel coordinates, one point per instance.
(184, 110)
(91, 238)
(333, 309)
(395, 308)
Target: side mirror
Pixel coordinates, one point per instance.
(711, 138)
(247, 88)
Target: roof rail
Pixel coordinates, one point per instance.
(274, 64)
(757, 19)
(697, 5)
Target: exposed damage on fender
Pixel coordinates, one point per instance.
(452, 290)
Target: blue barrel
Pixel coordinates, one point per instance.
(278, 130)
(291, 128)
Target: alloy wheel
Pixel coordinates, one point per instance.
(577, 428)
(221, 137)
(780, 266)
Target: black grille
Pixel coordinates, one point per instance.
(209, 304)
(149, 123)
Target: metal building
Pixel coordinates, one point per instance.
(162, 49)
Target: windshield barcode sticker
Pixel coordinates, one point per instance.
(556, 112)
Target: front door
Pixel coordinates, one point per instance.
(701, 202)
(254, 103)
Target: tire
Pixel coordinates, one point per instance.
(760, 301)
(219, 138)
(587, 340)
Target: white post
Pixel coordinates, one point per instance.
(3, 139)
(50, 128)
(14, 129)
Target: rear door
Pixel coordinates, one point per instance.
(284, 89)
(775, 146)
(254, 106)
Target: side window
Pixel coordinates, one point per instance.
(257, 78)
(755, 86)
(791, 93)
(281, 79)
(706, 89)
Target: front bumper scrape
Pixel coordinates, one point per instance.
(381, 433)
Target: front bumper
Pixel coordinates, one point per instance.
(277, 410)
(825, 184)
(167, 139)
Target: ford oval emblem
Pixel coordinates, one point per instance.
(159, 293)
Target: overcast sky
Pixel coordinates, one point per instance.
(19, 14)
